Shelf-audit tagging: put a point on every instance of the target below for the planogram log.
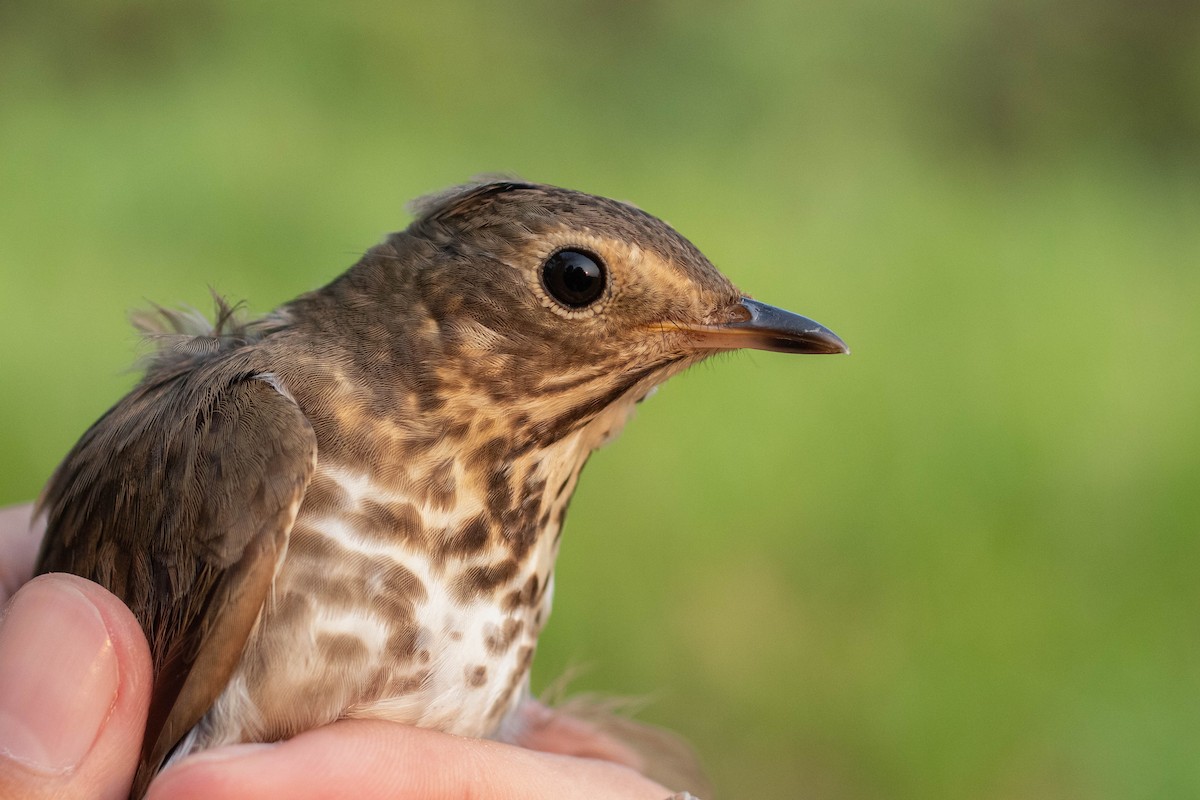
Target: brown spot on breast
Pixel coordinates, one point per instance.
(308, 544)
(392, 521)
(341, 649)
(374, 584)
(402, 643)
(476, 676)
(470, 538)
(341, 427)
(439, 486)
(399, 580)
(562, 487)
(558, 387)
(403, 684)
(325, 496)
(499, 491)
(524, 658)
(386, 468)
(559, 519)
(430, 401)
(419, 439)
(497, 640)
(335, 589)
(519, 522)
(420, 681)
(549, 431)
(398, 592)
(491, 451)
(476, 581)
(525, 596)
(292, 609)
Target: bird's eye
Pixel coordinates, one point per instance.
(574, 278)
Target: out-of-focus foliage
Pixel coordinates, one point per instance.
(960, 563)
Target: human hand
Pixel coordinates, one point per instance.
(75, 680)
(374, 760)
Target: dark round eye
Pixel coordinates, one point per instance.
(573, 278)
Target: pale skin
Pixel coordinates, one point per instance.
(75, 685)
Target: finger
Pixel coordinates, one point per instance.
(371, 760)
(551, 731)
(20, 537)
(589, 727)
(74, 688)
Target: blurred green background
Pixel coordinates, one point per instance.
(960, 563)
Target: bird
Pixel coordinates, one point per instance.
(351, 507)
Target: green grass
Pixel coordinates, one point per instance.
(959, 563)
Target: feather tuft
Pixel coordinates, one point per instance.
(601, 726)
(183, 334)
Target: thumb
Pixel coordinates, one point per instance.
(74, 688)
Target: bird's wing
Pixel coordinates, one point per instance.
(180, 501)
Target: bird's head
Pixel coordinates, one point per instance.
(551, 305)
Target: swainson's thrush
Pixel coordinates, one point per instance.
(352, 506)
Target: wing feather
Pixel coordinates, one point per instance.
(180, 500)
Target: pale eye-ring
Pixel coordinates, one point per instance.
(574, 278)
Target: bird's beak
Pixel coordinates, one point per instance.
(758, 326)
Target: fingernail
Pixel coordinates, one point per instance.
(230, 752)
(58, 676)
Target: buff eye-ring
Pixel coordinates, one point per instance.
(574, 278)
